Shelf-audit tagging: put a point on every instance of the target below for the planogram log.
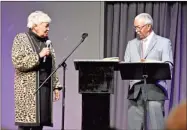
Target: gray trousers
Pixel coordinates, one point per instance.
(155, 115)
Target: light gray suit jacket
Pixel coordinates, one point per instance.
(159, 49)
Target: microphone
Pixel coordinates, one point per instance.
(48, 43)
(84, 35)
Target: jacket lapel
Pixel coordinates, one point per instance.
(138, 44)
(151, 45)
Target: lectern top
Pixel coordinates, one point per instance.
(78, 62)
(136, 71)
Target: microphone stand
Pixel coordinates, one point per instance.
(63, 64)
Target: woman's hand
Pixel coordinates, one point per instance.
(56, 95)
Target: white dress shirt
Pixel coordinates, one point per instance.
(146, 41)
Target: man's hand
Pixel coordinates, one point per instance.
(142, 60)
(56, 95)
(150, 61)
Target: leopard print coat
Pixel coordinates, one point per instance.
(24, 59)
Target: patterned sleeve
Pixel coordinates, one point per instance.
(23, 57)
(56, 82)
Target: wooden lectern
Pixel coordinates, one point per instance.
(96, 83)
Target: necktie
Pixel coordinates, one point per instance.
(143, 48)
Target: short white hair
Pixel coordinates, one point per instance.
(37, 17)
(147, 17)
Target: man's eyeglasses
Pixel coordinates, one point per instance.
(139, 27)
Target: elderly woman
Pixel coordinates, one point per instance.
(33, 111)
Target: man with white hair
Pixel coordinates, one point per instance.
(33, 62)
(147, 47)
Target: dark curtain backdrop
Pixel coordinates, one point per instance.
(170, 21)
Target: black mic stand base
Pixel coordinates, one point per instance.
(63, 94)
(144, 93)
